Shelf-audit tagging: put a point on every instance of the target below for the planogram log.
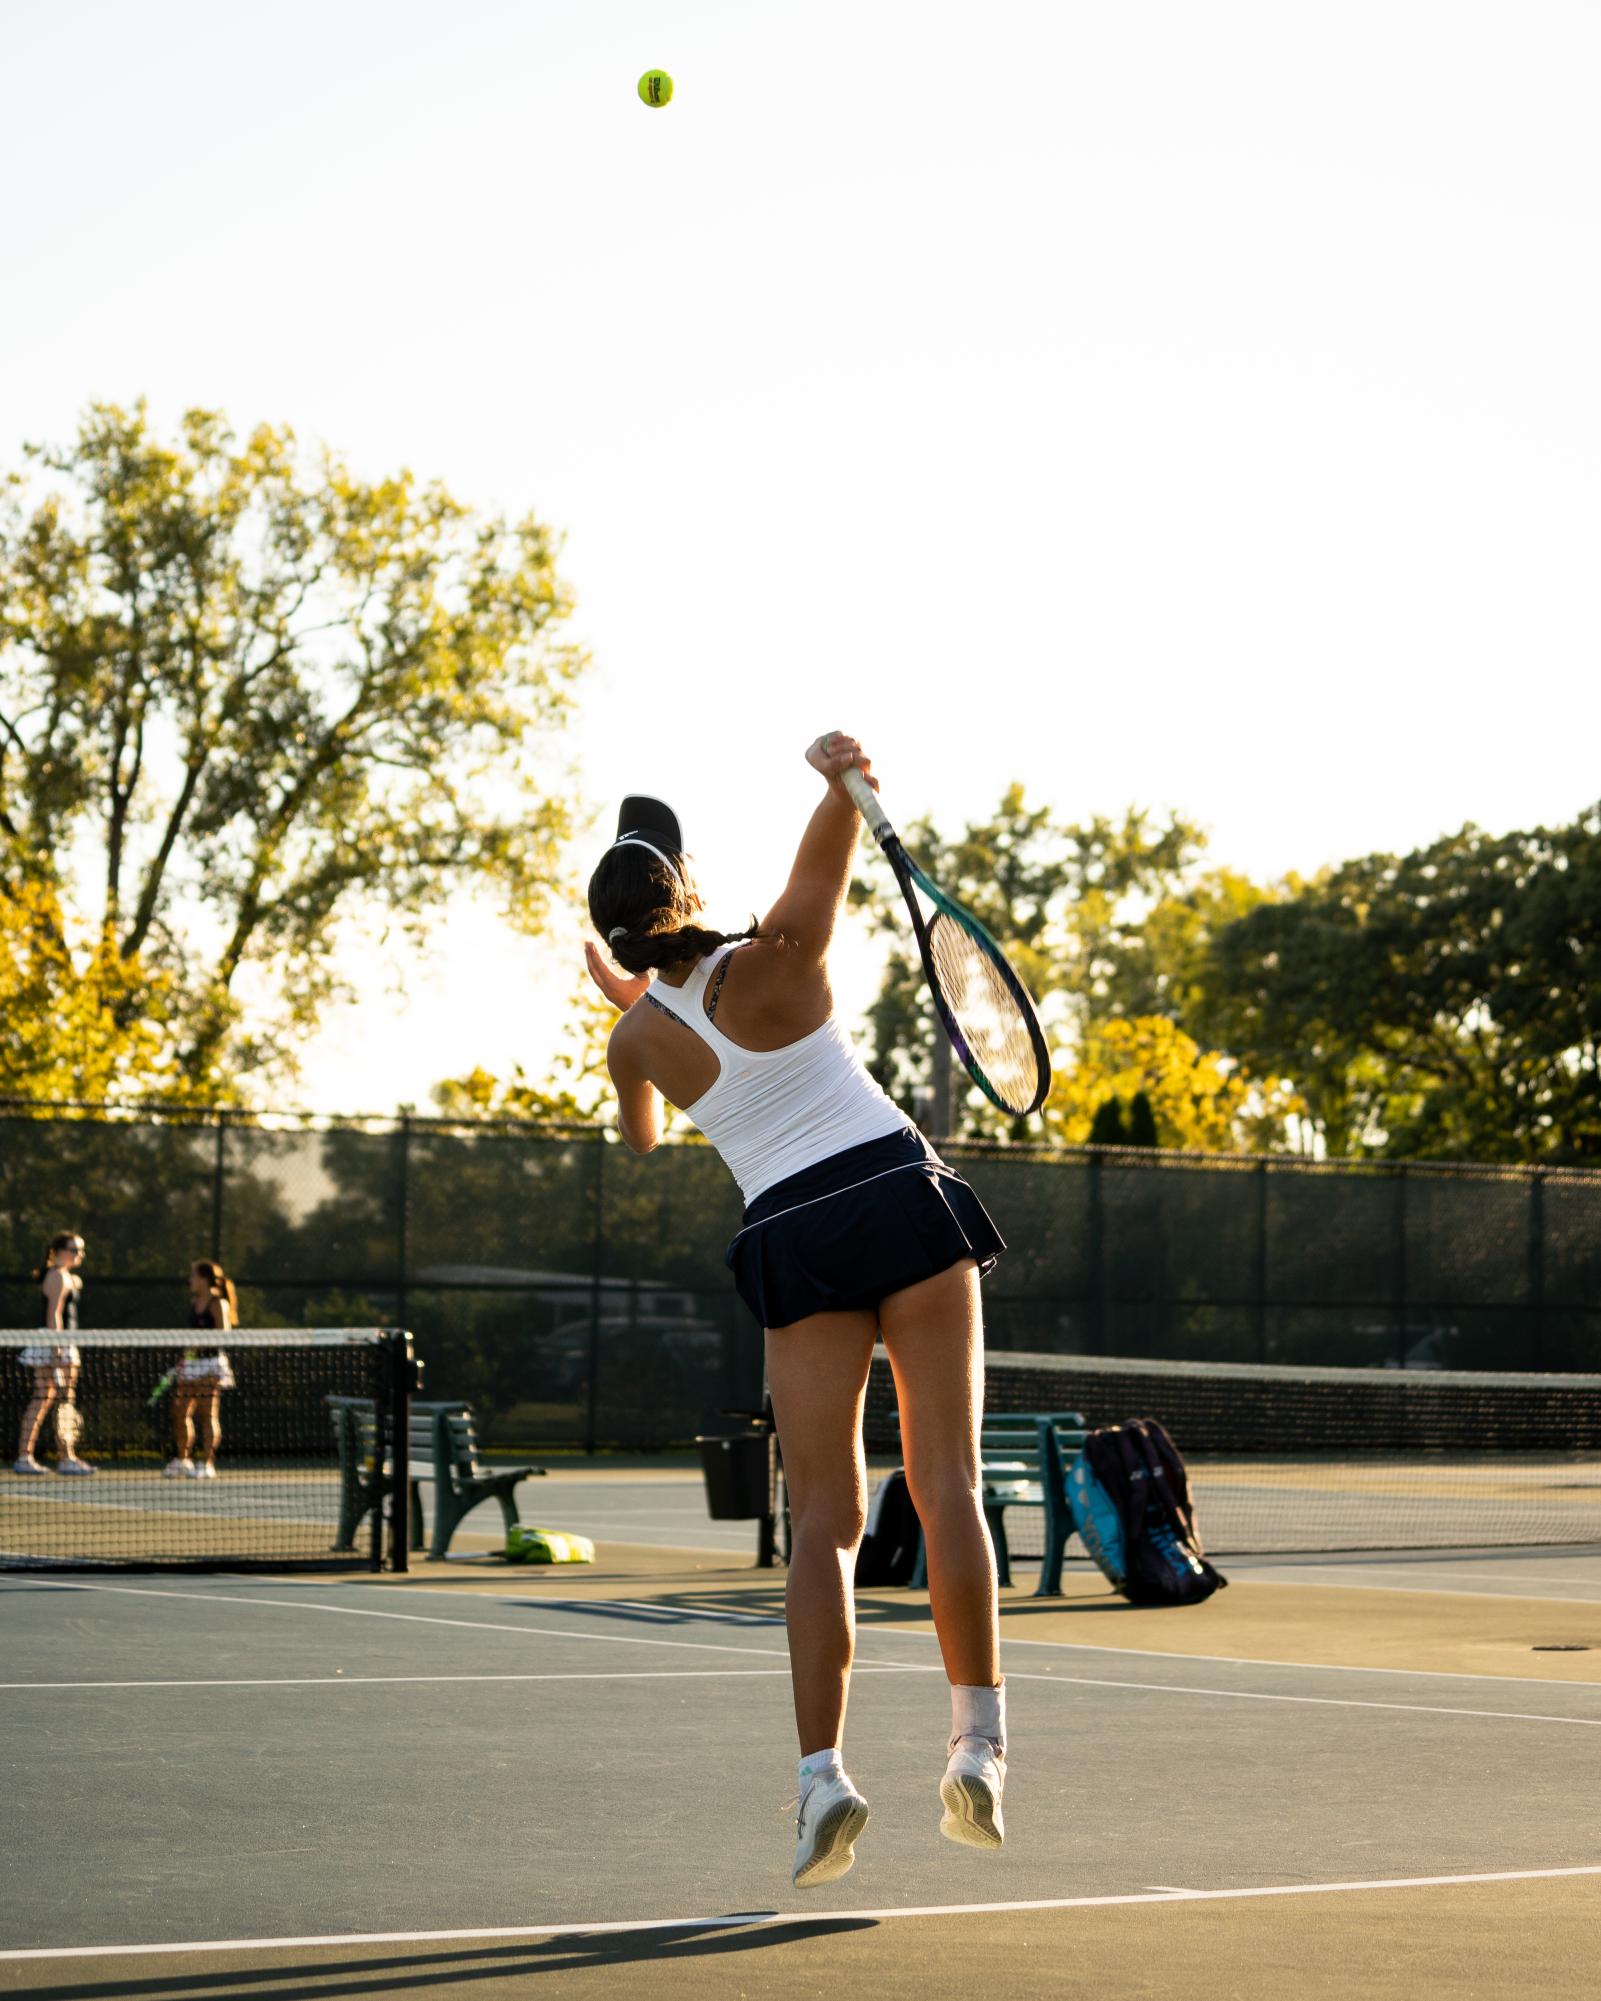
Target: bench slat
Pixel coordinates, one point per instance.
(441, 1446)
(1024, 1459)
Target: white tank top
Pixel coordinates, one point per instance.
(773, 1112)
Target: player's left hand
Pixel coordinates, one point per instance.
(621, 989)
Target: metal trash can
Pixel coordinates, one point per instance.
(738, 1477)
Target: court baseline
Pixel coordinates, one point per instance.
(803, 1917)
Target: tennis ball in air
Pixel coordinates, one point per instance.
(655, 89)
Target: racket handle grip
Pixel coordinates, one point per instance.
(865, 800)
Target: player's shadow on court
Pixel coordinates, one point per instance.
(764, 1605)
(328, 1977)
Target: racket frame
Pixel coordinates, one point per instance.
(909, 876)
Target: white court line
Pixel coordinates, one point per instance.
(1256, 1660)
(1468, 1567)
(711, 1617)
(1089, 1647)
(407, 1618)
(1317, 1701)
(1088, 1681)
(1426, 1590)
(422, 1619)
(757, 1674)
(385, 1680)
(731, 1920)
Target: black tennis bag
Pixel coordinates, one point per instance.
(888, 1554)
(1140, 1468)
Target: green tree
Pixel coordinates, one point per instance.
(1192, 1097)
(1444, 1003)
(244, 694)
(77, 1020)
(1156, 963)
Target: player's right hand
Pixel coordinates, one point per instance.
(835, 752)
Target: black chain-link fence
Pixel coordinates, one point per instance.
(577, 1294)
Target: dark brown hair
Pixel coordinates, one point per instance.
(63, 1240)
(219, 1284)
(647, 902)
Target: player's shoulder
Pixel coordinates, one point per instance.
(771, 956)
(630, 1032)
(773, 967)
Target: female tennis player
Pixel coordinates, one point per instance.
(854, 1230)
(201, 1377)
(55, 1363)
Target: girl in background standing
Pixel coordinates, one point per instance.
(202, 1376)
(55, 1362)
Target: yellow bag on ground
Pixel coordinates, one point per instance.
(526, 1545)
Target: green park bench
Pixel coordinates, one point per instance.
(1024, 1459)
(442, 1447)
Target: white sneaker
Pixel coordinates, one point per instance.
(832, 1815)
(73, 1466)
(178, 1469)
(970, 1793)
(205, 1470)
(28, 1464)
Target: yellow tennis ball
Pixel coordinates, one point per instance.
(655, 89)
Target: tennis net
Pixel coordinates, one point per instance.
(141, 1448)
(1289, 1459)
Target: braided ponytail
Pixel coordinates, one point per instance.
(644, 951)
(643, 907)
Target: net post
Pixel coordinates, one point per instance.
(403, 1210)
(402, 1371)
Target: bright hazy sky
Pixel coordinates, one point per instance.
(1180, 403)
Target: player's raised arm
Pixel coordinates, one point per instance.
(805, 915)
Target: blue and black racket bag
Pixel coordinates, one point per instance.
(1130, 1495)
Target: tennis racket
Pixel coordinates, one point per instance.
(982, 1004)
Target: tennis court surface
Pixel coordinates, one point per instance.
(1342, 1775)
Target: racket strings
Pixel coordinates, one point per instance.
(996, 1028)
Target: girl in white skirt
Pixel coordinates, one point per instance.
(55, 1362)
(202, 1376)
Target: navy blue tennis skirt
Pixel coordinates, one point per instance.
(856, 1227)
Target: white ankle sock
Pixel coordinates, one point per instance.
(820, 1765)
(979, 1712)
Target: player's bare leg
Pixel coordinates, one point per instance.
(817, 1372)
(208, 1429)
(44, 1395)
(933, 1333)
(183, 1434)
